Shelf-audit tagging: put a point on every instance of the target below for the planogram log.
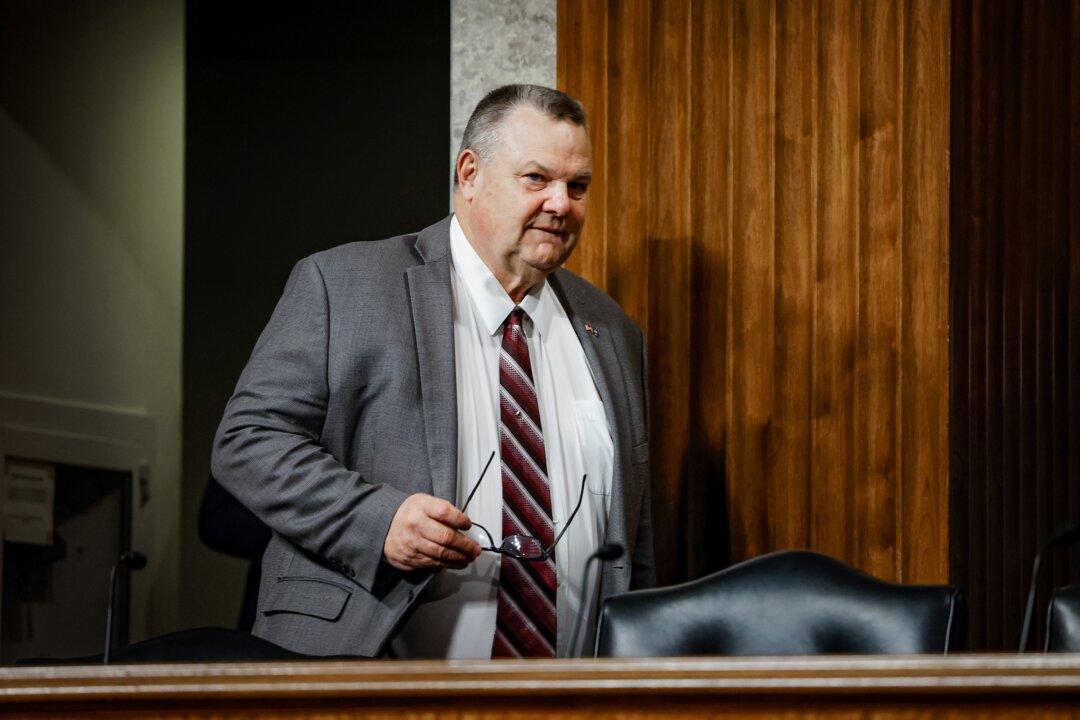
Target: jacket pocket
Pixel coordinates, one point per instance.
(310, 596)
(639, 453)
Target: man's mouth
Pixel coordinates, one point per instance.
(551, 231)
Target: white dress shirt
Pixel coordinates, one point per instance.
(456, 615)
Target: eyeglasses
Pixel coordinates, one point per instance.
(522, 547)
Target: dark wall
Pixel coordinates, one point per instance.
(1015, 304)
(305, 129)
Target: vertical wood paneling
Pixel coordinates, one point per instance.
(751, 276)
(1073, 342)
(970, 337)
(1043, 203)
(964, 12)
(878, 370)
(923, 542)
(581, 24)
(979, 341)
(1057, 198)
(773, 219)
(836, 301)
(669, 229)
(1004, 76)
(789, 451)
(1014, 242)
(710, 36)
(988, 220)
(1025, 335)
(626, 132)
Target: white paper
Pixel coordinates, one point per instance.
(29, 491)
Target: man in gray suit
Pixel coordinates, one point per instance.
(389, 375)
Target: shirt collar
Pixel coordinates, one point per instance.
(488, 297)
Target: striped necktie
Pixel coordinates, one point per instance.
(525, 620)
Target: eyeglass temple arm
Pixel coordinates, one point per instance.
(477, 485)
(580, 497)
(491, 540)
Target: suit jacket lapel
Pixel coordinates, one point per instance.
(431, 304)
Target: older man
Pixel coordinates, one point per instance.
(392, 371)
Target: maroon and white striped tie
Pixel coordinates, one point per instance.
(525, 621)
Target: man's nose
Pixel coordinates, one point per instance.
(558, 200)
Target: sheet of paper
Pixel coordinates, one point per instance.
(29, 492)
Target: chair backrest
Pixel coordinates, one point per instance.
(1063, 620)
(793, 602)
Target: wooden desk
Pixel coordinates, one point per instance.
(912, 688)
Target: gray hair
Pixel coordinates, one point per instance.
(483, 131)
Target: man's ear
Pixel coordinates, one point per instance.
(467, 169)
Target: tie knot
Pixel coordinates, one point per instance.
(516, 318)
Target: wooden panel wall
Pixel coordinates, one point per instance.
(1015, 302)
(772, 208)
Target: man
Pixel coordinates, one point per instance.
(391, 371)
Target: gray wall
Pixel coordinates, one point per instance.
(493, 43)
(91, 111)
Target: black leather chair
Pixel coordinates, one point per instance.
(793, 602)
(1063, 620)
(226, 526)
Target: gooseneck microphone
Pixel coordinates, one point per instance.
(607, 551)
(1065, 534)
(132, 560)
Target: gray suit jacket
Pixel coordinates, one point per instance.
(348, 405)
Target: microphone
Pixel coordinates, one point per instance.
(607, 551)
(132, 560)
(1065, 534)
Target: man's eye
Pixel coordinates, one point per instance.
(535, 177)
(576, 190)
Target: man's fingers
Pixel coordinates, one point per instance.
(442, 511)
(443, 536)
(422, 553)
(435, 555)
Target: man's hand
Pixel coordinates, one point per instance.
(424, 534)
